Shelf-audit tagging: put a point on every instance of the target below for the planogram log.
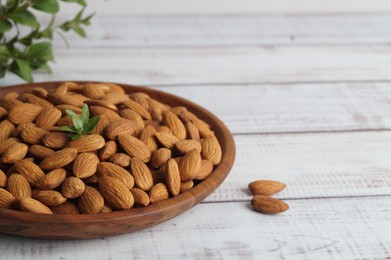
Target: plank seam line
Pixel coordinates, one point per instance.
(359, 130)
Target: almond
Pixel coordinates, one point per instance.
(49, 197)
(102, 103)
(87, 143)
(202, 127)
(265, 187)
(100, 127)
(91, 201)
(147, 137)
(115, 193)
(115, 98)
(85, 165)
(18, 186)
(120, 126)
(6, 129)
(185, 146)
(106, 209)
(33, 134)
(136, 118)
(93, 91)
(140, 197)
(178, 110)
(72, 187)
(15, 153)
(32, 172)
(66, 208)
(3, 179)
(121, 159)
(59, 159)
(211, 149)
(65, 121)
(55, 140)
(8, 104)
(92, 179)
(40, 152)
(158, 192)
(187, 116)
(166, 139)
(3, 112)
(108, 150)
(173, 178)
(48, 117)
(63, 107)
(139, 109)
(6, 199)
(190, 165)
(155, 110)
(205, 170)
(52, 179)
(33, 99)
(185, 186)
(268, 205)
(113, 88)
(141, 99)
(175, 124)
(115, 171)
(7, 143)
(40, 92)
(108, 113)
(141, 173)
(59, 99)
(134, 147)
(24, 113)
(192, 131)
(32, 205)
(160, 157)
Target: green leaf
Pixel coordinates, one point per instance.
(4, 54)
(77, 29)
(70, 113)
(85, 114)
(12, 5)
(89, 127)
(25, 18)
(22, 69)
(86, 21)
(47, 6)
(39, 54)
(67, 129)
(5, 26)
(75, 136)
(78, 124)
(80, 2)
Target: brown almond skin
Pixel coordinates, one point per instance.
(265, 187)
(18, 186)
(106, 209)
(91, 201)
(175, 124)
(103, 122)
(3, 179)
(205, 170)
(185, 146)
(117, 172)
(87, 143)
(139, 109)
(120, 126)
(52, 179)
(160, 157)
(59, 159)
(66, 208)
(32, 205)
(24, 113)
(158, 193)
(142, 174)
(85, 165)
(33, 134)
(7, 143)
(203, 127)
(120, 159)
(55, 140)
(136, 118)
(32, 172)
(190, 165)
(192, 131)
(6, 129)
(48, 117)
(6, 199)
(108, 113)
(134, 147)
(40, 151)
(33, 99)
(185, 186)
(116, 194)
(140, 197)
(166, 139)
(72, 187)
(268, 205)
(15, 153)
(173, 178)
(49, 197)
(211, 149)
(108, 150)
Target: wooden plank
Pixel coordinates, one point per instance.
(222, 65)
(231, 30)
(353, 228)
(312, 165)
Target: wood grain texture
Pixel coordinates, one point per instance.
(311, 165)
(351, 228)
(221, 65)
(122, 31)
(124, 221)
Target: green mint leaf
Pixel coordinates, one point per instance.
(26, 18)
(67, 129)
(80, 2)
(92, 123)
(47, 6)
(78, 124)
(5, 26)
(85, 114)
(22, 69)
(39, 54)
(75, 136)
(12, 5)
(86, 21)
(70, 113)
(77, 29)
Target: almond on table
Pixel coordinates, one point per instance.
(93, 148)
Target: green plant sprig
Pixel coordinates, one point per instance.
(83, 125)
(22, 54)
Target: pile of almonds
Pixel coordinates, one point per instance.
(262, 202)
(142, 151)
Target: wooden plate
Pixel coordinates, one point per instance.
(126, 221)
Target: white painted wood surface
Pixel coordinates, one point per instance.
(308, 98)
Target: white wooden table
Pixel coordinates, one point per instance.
(308, 99)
